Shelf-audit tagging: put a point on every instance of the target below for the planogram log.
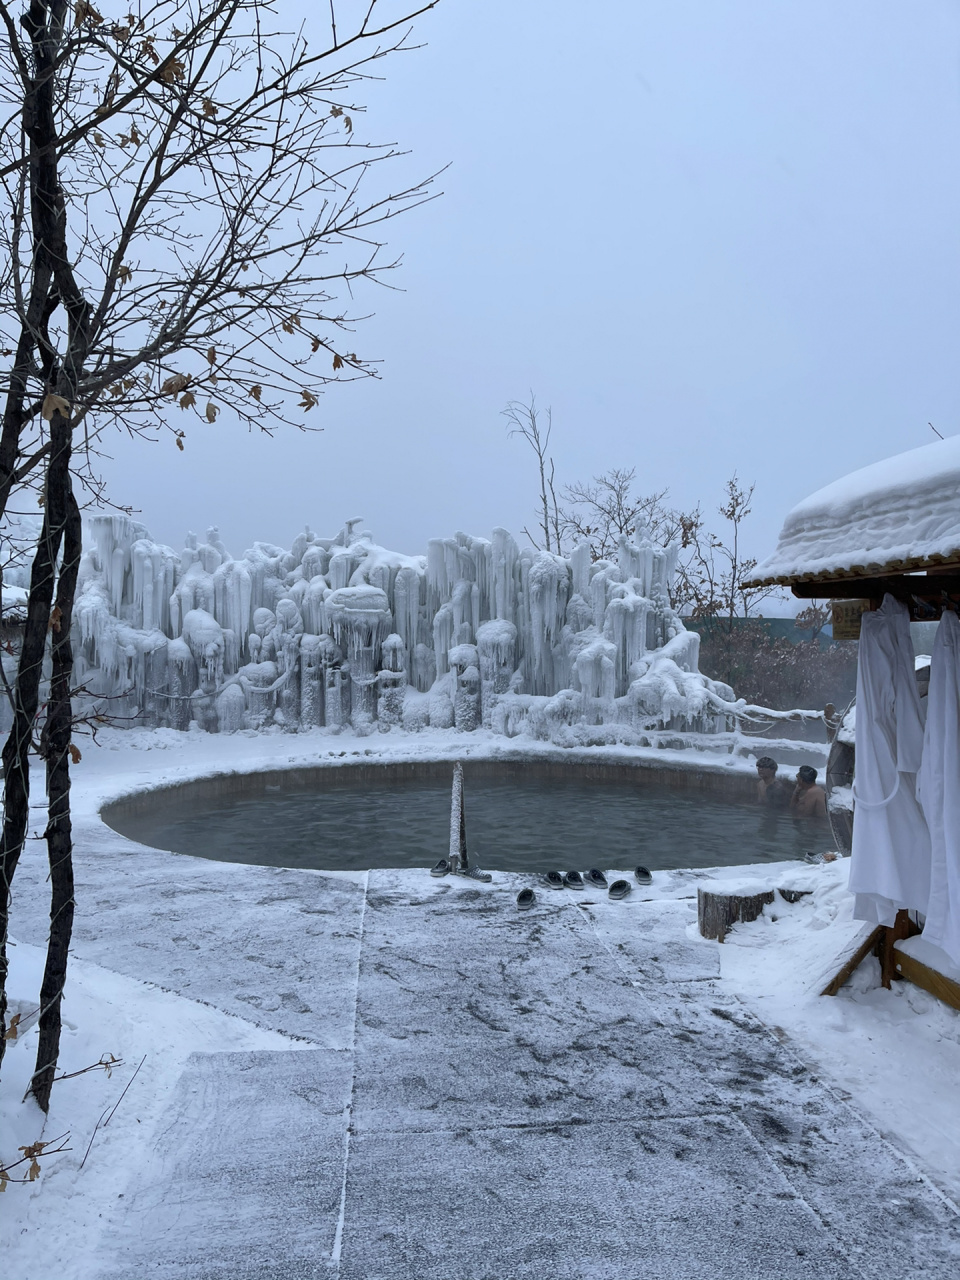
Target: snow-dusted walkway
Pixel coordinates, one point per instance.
(475, 1093)
(562, 1093)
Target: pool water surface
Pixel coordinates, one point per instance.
(512, 825)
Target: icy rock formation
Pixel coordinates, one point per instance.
(339, 631)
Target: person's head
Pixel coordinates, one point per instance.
(806, 776)
(767, 768)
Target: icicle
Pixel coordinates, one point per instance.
(342, 631)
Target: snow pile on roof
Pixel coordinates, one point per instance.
(905, 509)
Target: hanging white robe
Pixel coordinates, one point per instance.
(939, 788)
(890, 865)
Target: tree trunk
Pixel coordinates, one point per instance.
(16, 750)
(44, 25)
(55, 745)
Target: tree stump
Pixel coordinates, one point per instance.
(718, 909)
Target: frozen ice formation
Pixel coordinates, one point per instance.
(339, 631)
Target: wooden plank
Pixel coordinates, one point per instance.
(921, 975)
(853, 961)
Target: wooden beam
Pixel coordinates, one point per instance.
(900, 585)
(921, 975)
(846, 970)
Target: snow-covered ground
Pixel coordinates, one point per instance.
(439, 1035)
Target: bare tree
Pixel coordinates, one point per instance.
(189, 212)
(524, 420)
(605, 509)
(714, 572)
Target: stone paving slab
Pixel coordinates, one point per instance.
(890, 1220)
(649, 938)
(281, 954)
(246, 1179)
(528, 1098)
(483, 1016)
(660, 1200)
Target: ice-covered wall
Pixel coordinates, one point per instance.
(340, 631)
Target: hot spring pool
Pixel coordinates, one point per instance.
(525, 819)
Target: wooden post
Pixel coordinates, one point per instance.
(902, 927)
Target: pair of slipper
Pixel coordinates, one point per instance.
(574, 880)
(570, 879)
(443, 868)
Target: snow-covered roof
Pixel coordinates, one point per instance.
(902, 513)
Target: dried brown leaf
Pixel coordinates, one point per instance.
(337, 362)
(54, 404)
(211, 411)
(12, 1030)
(172, 71)
(75, 755)
(256, 392)
(55, 616)
(175, 384)
(188, 400)
(85, 12)
(308, 400)
(212, 356)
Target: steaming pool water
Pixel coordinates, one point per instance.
(523, 820)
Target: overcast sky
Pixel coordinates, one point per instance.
(711, 234)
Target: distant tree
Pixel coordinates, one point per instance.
(188, 214)
(605, 509)
(714, 572)
(525, 420)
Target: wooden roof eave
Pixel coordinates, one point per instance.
(867, 580)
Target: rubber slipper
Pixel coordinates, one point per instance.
(596, 878)
(525, 899)
(573, 880)
(553, 879)
(441, 869)
(643, 876)
(620, 889)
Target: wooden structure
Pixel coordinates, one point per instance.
(915, 561)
